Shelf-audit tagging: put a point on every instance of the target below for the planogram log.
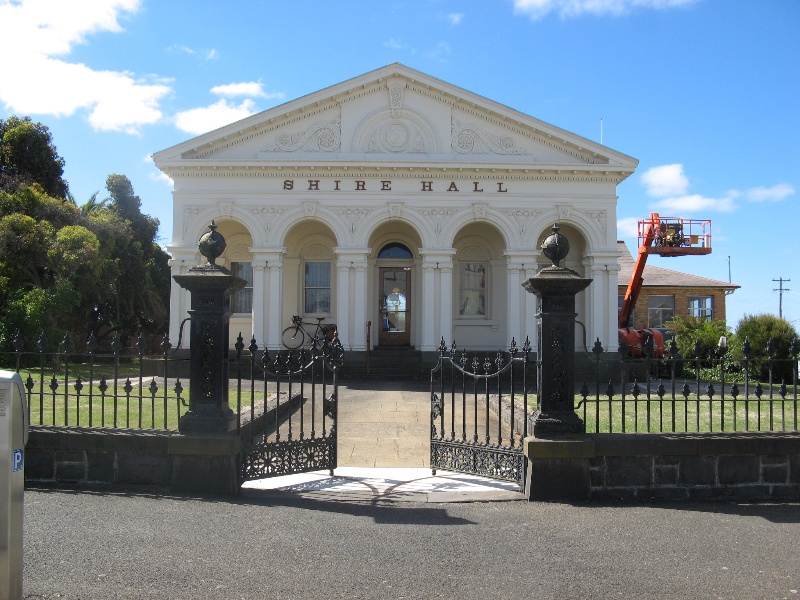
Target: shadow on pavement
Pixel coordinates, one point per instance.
(382, 513)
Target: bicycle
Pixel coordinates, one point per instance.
(295, 335)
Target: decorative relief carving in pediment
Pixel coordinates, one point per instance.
(320, 137)
(396, 98)
(396, 135)
(470, 139)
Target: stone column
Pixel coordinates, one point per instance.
(275, 310)
(446, 300)
(210, 286)
(360, 304)
(555, 288)
(428, 341)
(343, 303)
(259, 293)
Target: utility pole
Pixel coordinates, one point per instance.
(781, 289)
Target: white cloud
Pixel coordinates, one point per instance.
(181, 49)
(538, 9)
(666, 180)
(35, 32)
(455, 18)
(394, 44)
(628, 228)
(776, 193)
(206, 118)
(251, 89)
(160, 177)
(681, 205)
(440, 52)
(156, 174)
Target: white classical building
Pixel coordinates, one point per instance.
(401, 208)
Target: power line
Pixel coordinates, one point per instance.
(780, 289)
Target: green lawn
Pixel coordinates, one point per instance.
(692, 415)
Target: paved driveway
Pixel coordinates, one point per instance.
(115, 545)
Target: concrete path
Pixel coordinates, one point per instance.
(384, 424)
(384, 454)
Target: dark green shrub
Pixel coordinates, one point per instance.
(758, 330)
(691, 330)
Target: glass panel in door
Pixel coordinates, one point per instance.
(394, 306)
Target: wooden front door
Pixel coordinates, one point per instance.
(394, 302)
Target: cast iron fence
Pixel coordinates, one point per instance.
(116, 386)
(702, 394)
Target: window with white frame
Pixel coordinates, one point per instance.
(472, 289)
(317, 288)
(660, 309)
(242, 300)
(701, 307)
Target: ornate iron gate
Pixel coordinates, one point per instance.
(479, 413)
(289, 425)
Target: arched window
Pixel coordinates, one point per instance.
(395, 250)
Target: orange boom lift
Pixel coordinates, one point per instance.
(666, 236)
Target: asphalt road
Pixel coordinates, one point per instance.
(116, 545)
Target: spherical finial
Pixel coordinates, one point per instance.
(212, 244)
(555, 246)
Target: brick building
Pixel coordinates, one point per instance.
(666, 293)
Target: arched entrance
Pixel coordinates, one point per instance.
(395, 287)
(395, 262)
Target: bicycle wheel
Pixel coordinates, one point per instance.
(293, 337)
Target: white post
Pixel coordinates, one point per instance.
(343, 303)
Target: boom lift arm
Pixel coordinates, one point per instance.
(668, 236)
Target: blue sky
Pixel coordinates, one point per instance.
(704, 93)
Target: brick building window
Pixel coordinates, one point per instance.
(701, 307)
(660, 309)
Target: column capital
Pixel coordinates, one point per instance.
(442, 256)
(267, 254)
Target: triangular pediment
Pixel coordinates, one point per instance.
(393, 115)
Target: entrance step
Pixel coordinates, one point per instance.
(392, 362)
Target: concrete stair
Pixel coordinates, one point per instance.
(392, 362)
